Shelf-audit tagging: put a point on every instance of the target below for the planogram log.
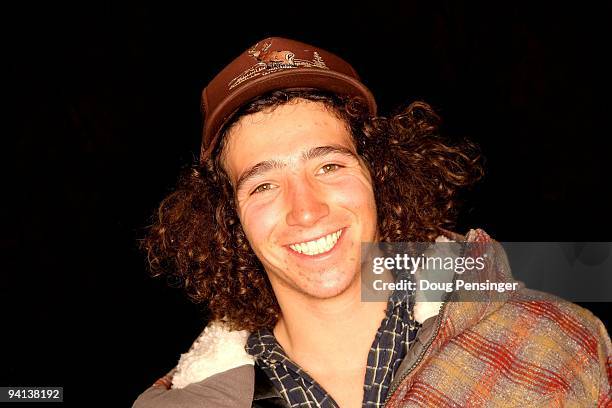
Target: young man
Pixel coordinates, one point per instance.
(296, 172)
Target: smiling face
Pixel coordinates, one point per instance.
(304, 198)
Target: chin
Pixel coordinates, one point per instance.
(329, 288)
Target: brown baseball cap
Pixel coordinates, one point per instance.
(274, 64)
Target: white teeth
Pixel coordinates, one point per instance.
(319, 246)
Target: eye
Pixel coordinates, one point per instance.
(328, 168)
(262, 188)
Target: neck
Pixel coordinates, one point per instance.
(336, 329)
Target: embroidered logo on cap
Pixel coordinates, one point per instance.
(269, 61)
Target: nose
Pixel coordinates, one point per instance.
(306, 204)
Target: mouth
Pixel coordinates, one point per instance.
(317, 246)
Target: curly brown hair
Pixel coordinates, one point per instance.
(197, 239)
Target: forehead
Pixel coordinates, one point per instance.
(283, 134)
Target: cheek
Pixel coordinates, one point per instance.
(258, 222)
(355, 193)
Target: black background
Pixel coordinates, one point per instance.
(103, 112)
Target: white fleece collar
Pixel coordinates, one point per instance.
(216, 350)
(423, 309)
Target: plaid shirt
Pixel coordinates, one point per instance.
(393, 338)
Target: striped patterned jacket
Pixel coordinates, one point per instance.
(517, 349)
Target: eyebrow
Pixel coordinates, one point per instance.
(309, 154)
